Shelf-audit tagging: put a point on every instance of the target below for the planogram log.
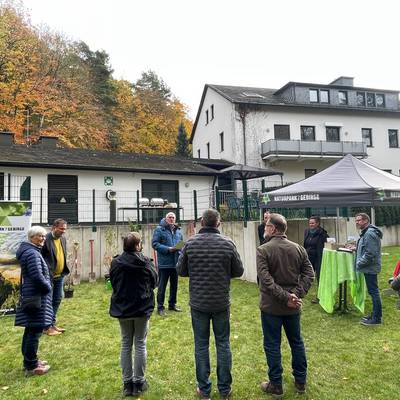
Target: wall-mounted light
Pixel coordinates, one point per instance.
(111, 195)
(187, 184)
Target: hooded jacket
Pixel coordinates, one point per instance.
(133, 278)
(165, 237)
(36, 281)
(368, 254)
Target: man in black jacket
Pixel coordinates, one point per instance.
(54, 253)
(210, 260)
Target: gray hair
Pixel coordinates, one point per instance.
(36, 230)
(211, 218)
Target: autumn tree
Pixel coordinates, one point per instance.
(182, 142)
(50, 85)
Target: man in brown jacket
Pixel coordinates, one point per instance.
(285, 276)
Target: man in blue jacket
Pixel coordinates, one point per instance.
(368, 261)
(165, 237)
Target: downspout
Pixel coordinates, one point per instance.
(243, 112)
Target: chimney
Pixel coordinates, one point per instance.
(48, 142)
(343, 81)
(6, 138)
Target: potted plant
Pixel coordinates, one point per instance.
(73, 274)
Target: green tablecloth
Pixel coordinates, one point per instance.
(338, 267)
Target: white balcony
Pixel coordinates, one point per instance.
(289, 149)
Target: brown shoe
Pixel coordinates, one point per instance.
(39, 370)
(51, 332)
(276, 391)
(202, 395)
(300, 387)
(58, 329)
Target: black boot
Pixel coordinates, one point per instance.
(128, 389)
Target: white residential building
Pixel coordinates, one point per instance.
(299, 129)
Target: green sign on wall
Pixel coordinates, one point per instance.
(108, 180)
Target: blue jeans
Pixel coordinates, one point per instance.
(133, 331)
(372, 285)
(58, 293)
(165, 274)
(272, 328)
(201, 331)
(30, 345)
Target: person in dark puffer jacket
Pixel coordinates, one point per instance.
(35, 281)
(210, 260)
(133, 278)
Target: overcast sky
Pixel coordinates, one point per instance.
(261, 43)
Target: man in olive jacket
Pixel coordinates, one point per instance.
(210, 260)
(285, 275)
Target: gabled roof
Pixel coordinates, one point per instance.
(272, 97)
(66, 158)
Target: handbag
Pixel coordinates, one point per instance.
(30, 304)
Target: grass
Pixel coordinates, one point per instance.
(346, 360)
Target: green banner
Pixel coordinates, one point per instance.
(15, 221)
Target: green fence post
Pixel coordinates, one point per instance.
(137, 207)
(245, 204)
(217, 199)
(195, 205)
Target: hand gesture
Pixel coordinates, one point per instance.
(294, 301)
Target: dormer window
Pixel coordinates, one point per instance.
(313, 96)
(380, 100)
(342, 97)
(324, 96)
(361, 99)
(370, 99)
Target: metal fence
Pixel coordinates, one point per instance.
(93, 206)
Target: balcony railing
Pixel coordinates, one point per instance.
(321, 148)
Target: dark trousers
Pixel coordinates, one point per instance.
(165, 274)
(316, 264)
(272, 329)
(30, 345)
(201, 331)
(58, 292)
(371, 281)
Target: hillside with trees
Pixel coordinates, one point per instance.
(53, 86)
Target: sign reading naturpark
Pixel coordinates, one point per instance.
(15, 220)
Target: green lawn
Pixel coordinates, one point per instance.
(346, 360)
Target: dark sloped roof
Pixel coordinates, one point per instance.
(39, 157)
(272, 97)
(247, 95)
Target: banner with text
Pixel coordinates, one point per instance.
(15, 221)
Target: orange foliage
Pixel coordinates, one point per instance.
(46, 88)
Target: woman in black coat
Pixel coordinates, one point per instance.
(314, 240)
(35, 311)
(133, 278)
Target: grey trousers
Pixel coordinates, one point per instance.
(133, 331)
